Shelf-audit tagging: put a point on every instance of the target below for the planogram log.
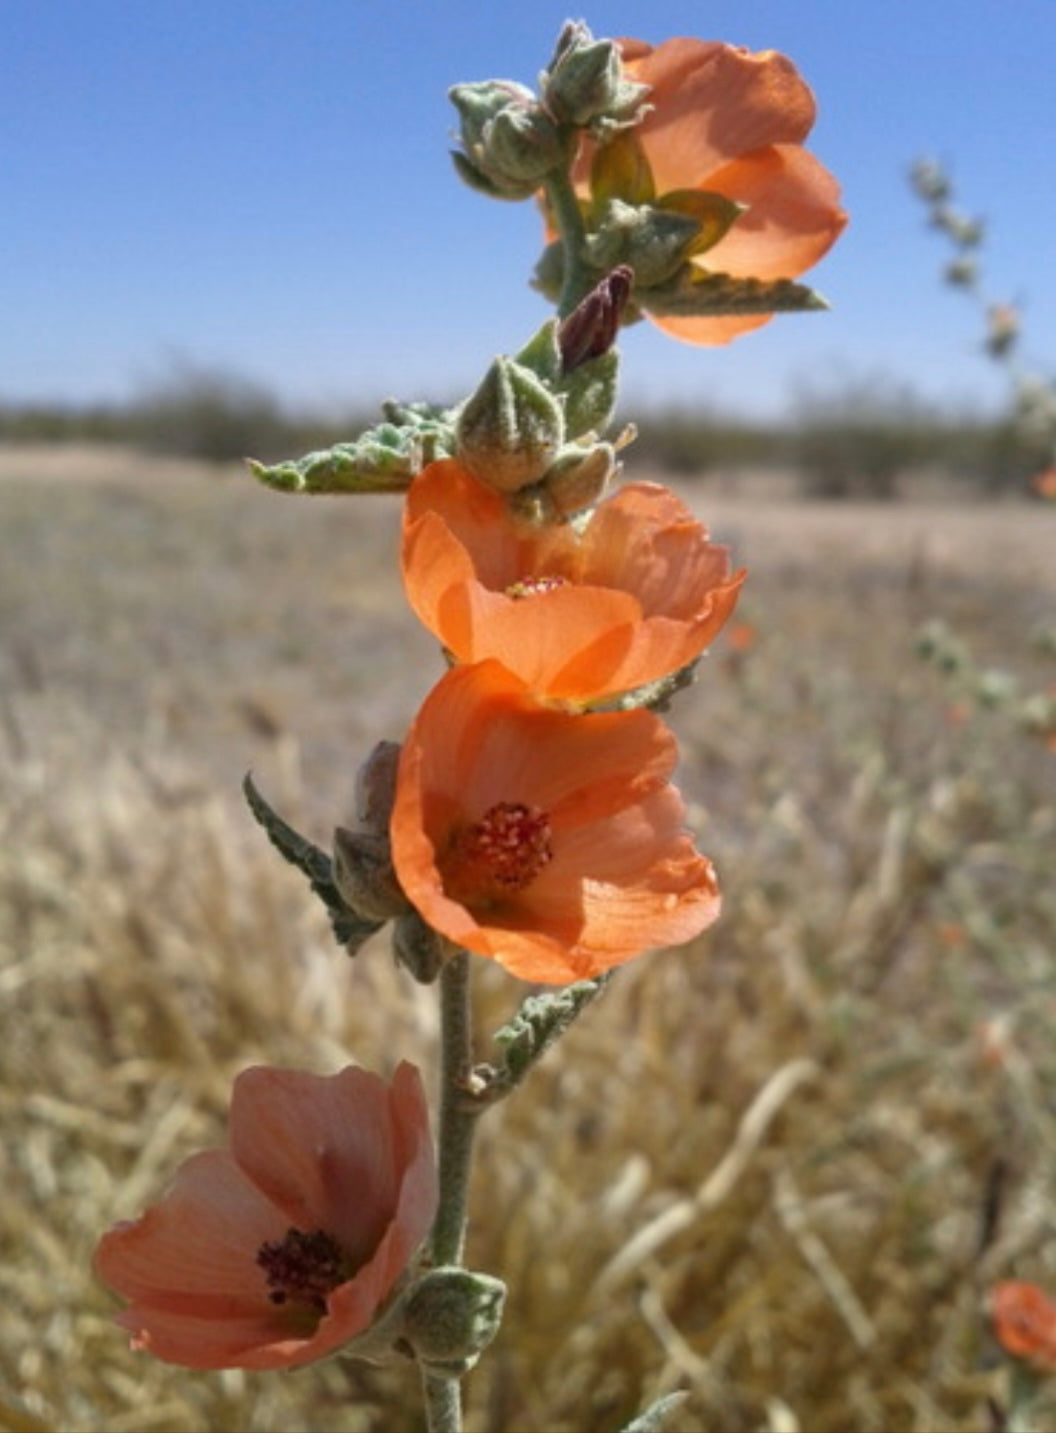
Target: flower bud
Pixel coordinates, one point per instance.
(450, 1316)
(591, 328)
(510, 430)
(579, 477)
(510, 142)
(364, 877)
(584, 81)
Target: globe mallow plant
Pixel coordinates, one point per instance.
(529, 816)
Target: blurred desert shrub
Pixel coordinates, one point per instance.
(692, 441)
(858, 437)
(220, 416)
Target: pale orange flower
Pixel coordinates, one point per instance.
(552, 843)
(742, 637)
(1025, 1322)
(730, 122)
(280, 1248)
(1044, 483)
(577, 615)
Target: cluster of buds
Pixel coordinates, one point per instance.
(513, 140)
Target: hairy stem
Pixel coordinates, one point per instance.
(458, 1119)
(443, 1403)
(565, 208)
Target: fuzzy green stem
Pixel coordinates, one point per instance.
(458, 1119)
(443, 1404)
(569, 220)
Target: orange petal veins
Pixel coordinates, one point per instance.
(638, 594)
(624, 874)
(348, 1155)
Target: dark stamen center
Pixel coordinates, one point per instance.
(498, 855)
(302, 1269)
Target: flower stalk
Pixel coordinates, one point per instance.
(564, 205)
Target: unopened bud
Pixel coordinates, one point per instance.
(511, 429)
(376, 786)
(510, 142)
(578, 478)
(591, 328)
(450, 1316)
(364, 875)
(929, 180)
(962, 273)
(584, 81)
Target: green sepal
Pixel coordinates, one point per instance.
(350, 930)
(621, 170)
(590, 392)
(695, 293)
(476, 179)
(653, 241)
(713, 212)
(656, 695)
(542, 353)
(384, 459)
(511, 428)
(540, 1021)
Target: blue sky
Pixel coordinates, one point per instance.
(265, 187)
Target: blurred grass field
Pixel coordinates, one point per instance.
(779, 1168)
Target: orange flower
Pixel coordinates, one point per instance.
(280, 1248)
(1025, 1322)
(578, 616)
(725, 121)
(549, 842)
(1044, 483)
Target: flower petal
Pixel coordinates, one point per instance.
(332, 1152)
(623, 874)
(712, 102)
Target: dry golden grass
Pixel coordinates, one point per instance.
(764, 1168)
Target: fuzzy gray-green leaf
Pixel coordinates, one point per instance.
(695, 293)
(350, 930)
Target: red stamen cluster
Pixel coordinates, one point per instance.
(303, 1268)
(501, 853)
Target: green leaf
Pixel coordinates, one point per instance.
(384, 459)
(350, 929)
(590, 393)
(693, 292)
(541, 1020)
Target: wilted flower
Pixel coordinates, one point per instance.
(722, 143)
(1025, 1322)
(281, 1247)
(549, 842)
(578, 614)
